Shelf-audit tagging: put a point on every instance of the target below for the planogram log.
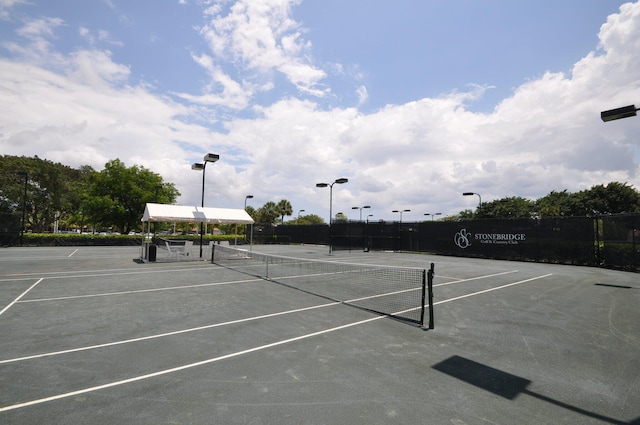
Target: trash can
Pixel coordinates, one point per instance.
(153, 248)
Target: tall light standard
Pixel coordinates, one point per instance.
(339, 181)
(24, 204)
(245, 200)
(202, 166)
(433, 215)
(300, 211)
(618, 113)
(473, 193)
(361, 208)
(401, 211)
(245, 226)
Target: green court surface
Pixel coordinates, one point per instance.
(94, 335)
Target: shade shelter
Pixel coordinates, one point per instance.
(191, 214)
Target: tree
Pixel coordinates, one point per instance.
(52, 189)
(513, 207)
(284, 208)
(613, 198)
(117, 195)
(556, 204)
(341, 217)
(268, 213)
(307, 219)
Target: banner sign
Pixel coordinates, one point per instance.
(464, 239)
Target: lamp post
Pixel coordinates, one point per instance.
(300, 211)
(401, 211)
(245, 200)
(433, 215)
(361, 208)
(245, 227)
(24, 204)
(619, 113)
(473, 193)
(202, 166)
(339, 181)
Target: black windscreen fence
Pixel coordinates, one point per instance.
(607, 241)
(10, 223)
(620, 242)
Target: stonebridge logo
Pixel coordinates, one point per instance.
(463, 238)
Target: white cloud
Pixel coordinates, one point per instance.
(6, 5)
(419, 155)
(260, 36)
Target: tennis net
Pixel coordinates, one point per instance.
(398, 292)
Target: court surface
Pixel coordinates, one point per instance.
(92, 335)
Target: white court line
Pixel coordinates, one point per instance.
(180, 368)
(21, 295)
(231, 355)
(474, 278)
(70, 255)
(97, 273)
(493, 289)
(183, 331)
(170, 288)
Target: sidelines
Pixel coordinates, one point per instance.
(56, 275)
(21, 295)
(138, 291)
(236, 354)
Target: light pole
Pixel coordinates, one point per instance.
(473, 193)
(433, 215)
(245, 200)
(202, 166)
(300, 211)
(361, 208)
(619, 113)
(24, 204)
(339, 181)
(245, 226)
(401, 211)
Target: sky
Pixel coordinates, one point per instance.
(413, 101)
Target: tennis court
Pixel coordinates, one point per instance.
(92, 335)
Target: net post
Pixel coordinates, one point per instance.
(424, 273)
(430, 294)
(213, 251)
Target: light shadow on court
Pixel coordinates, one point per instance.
(506, 385)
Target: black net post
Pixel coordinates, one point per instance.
(430, 293)
(213, 253)
(424, 280)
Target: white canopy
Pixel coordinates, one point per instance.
(182, 213)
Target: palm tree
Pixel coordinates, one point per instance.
(284, 208)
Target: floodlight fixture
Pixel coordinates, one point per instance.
(400, 211)
(619, 113)
(361, 208)
(474, 193)
(211, 157)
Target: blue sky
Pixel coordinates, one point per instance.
(415, 102)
